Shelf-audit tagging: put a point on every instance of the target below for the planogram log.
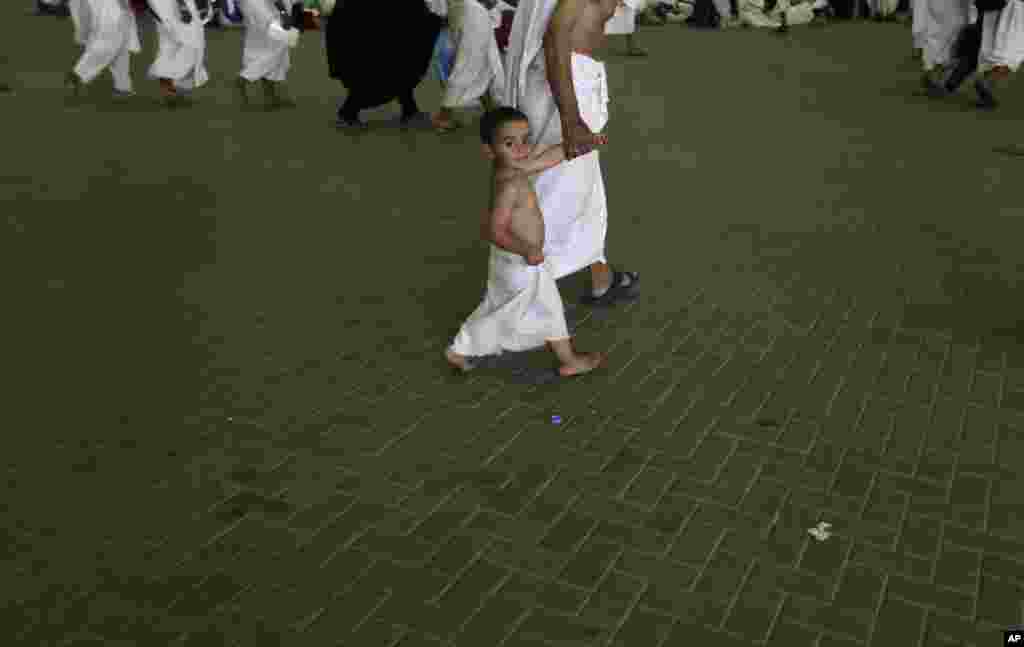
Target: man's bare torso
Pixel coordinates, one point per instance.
(588, 33)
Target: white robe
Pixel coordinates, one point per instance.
(752, 13)
(181, 48)
(264, 56)
(109, 34)
(571, 195)
(883, 7)
(521, 309)
(478, 64)
(918, 9)
(941, 24)
(624, 19)
(1002, 37)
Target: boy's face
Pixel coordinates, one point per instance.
(510, 143)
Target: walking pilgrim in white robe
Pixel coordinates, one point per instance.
(265, 48)
(109, 34)
(883, 7)
(181, 47)
(940, 24)
(571, 195)
(1002, 38)
(521, 309)
(478, 67)
(752, 13)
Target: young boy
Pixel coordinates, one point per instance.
(522, 308)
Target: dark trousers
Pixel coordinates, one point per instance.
(357, 101)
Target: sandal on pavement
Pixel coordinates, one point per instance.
(618, 291)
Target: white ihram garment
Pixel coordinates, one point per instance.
(181, 48)
(624, 19)
(883, 7)
(478, 66)
(265, 48)
(941, 24)
(1002, 37)
(918, 8)
(571, 195)
(521, 309)
(752, 13)
(107, 31)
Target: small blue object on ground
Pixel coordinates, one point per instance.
(557, 420)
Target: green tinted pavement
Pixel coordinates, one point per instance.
(229, 421)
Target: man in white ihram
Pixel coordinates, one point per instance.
(265, 55)
(181, 47)
(478, 75)
(109, 34)
(553, 77)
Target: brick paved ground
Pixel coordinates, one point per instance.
(238, 430)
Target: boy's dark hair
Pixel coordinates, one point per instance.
(494, 119)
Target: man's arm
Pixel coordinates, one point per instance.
(558, 57)
(541, 159)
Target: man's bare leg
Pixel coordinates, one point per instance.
(460, 362)
(574, 363)
(600, 277)
(444, 120)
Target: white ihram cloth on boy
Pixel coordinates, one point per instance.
(571, 195)
(181, 47)
(109, 34)
(265, 48)
(521, 310)
(478, 66)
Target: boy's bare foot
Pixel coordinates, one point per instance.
(458, 361)
(582, 363)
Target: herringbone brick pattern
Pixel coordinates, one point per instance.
(830, 358)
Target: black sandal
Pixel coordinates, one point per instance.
(617, 291)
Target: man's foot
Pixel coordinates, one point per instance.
(418, 121)
(60, 9)
(350, 125)
(122, 95)
(582, 363)
(932, 87)
(622, 286)
(242, 90)
(276, 98)
(460, 362)
(986, 94)
(73, 85)
(443, 124)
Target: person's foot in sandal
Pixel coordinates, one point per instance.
(418, 121)
(444, 121)
(620, 286)
(459, 362)
(573, 363)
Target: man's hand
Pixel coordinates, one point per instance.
(535, 258)
(577, 139)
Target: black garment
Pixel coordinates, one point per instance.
(704, 16)
(356, 102)
(380, 50)
(966, 51)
